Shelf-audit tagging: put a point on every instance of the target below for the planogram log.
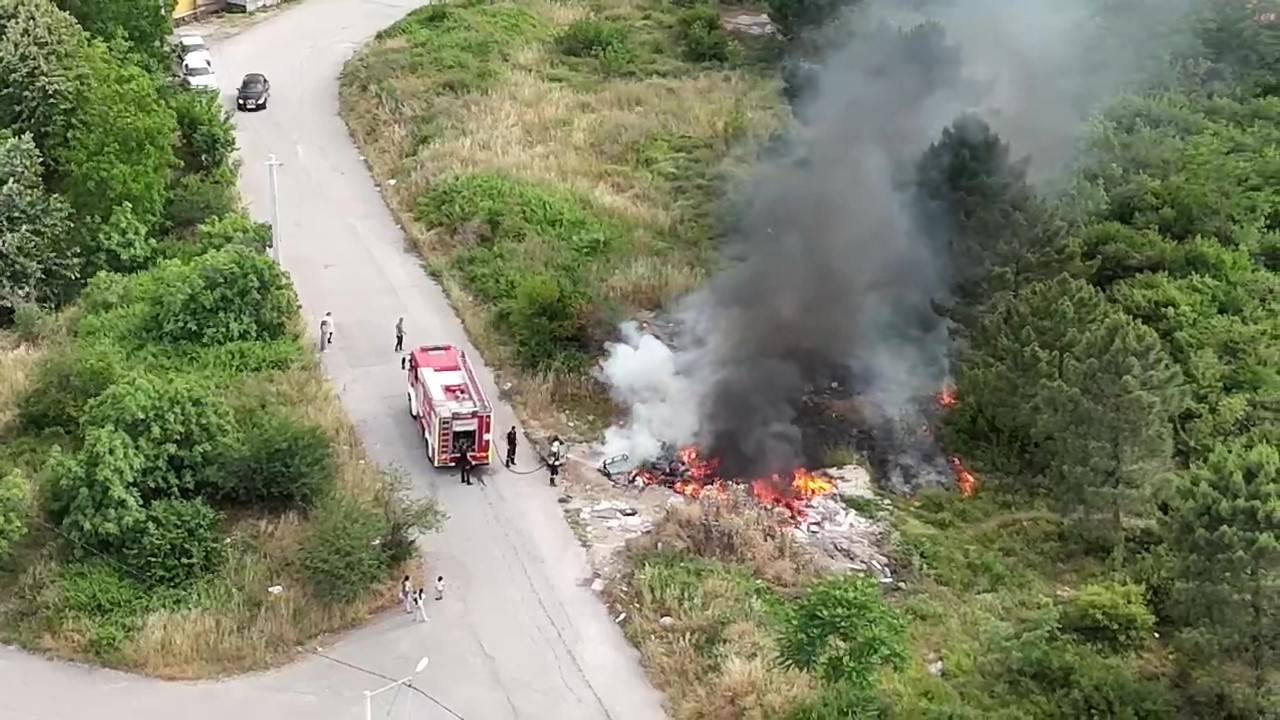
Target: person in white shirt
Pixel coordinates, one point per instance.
(326, 331)
(439, 587)
(406, 594)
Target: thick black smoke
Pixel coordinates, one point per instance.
(828, 267)
(830, 273)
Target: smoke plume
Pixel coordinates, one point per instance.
(829, 264)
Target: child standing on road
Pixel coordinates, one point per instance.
(439, 587)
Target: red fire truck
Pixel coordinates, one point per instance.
(446, 400)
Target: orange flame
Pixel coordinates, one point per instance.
(947, 396)
(700, 478)
(966, 481)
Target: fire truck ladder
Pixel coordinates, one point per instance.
(446, 439)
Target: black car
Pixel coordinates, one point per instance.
(254, 92)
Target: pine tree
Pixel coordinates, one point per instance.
(1225, 528)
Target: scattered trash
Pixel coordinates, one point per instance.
(598, 584)
(275, 589)
(620, 618)
(666, 621)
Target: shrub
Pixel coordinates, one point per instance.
(178, 543)
(342, 556)
(591, 38)
(178, 426)
(31, 321)
(206, 137)
(226, 296)
(1109, 615)
(702, 36)
(15, 506)
(545, 319)
(842, 630)
(66, 382)
(283, 462)
(196, 197)
(107, 600)
(93, 495)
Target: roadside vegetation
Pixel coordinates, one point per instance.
(180, 492)
(558, 164)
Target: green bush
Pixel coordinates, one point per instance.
(592, 38)
(196, 197)
(229, 295)
(93, 494)
(66, 382)
(702, 36)
(342, 557)
(842, 701)
(179, 542)
(1109, 615)
(282, 463)
(545, 319)
(179, 427)
(842, 630)
(31, 321)
(108, 601)
(206, 137)
(15, 508)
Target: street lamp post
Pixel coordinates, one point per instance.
(368, 694)
(272, 164)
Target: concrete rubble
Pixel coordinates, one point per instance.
(849, 540)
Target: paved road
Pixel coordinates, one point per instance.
(519, 635)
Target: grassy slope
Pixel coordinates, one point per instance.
(599, 168)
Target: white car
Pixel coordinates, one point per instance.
(198, 74)
(193, 47)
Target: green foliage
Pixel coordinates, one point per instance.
(66, 382)
(1109, 615)
(98, 120)
(207, 137)
(458, 47)
(179, 543)
(529, 249)
(32, 322)
(198, 196)
(15, 508)
(842, 631)
(178, 426)
(217, 232)
(702, 36)
(342, 556)
(106, 599)
(143, 26)
(39, 265)
(93, 493)
(229, 295)
(796, 17)
(592, 38)
(283, 462)
(1225, 526)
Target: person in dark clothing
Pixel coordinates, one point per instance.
(465, 465)
(400, 335)
(511, 446)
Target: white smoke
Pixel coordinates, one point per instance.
(642, 375)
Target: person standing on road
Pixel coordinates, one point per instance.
(406, 594)
(464, 465)
(419, 610)
(400, 335)
(511, 446)
(439, 587)
(557, 457)
(326, 331)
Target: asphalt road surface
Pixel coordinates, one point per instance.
(519, 634)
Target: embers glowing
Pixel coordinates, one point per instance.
(947, 397)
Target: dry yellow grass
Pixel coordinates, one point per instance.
(741, 678)
(582, 135)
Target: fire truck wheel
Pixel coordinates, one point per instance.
(412, 413)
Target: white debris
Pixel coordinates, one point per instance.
(666, 621)
(275, 589)
(597, 585)
(935, 668)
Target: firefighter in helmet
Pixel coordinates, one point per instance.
(555, 459)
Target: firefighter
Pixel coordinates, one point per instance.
(464, 465)
(555, 460)
(511, 446)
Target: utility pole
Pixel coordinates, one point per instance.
(407, 682)
(272, 164)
